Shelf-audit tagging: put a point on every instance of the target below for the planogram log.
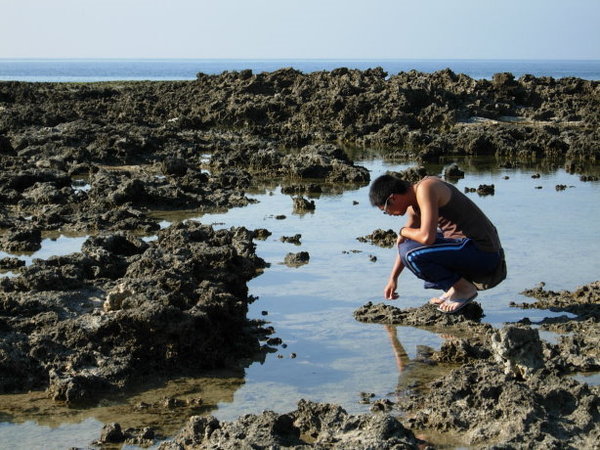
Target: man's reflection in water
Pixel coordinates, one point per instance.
(402, 358)
(415, 375)
(412, 374)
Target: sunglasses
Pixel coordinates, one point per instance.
(385, 205)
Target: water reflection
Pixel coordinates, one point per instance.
(165, 408)
(51, 245)
(592, 379)
(402, 359)
(414, 374)
(81, 185)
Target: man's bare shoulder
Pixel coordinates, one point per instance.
(431, 179)
(437, 187)
(432, 183)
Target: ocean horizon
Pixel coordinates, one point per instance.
(162, 69)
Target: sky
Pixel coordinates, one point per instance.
(301, 29)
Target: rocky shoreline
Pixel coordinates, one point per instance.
(98, 159)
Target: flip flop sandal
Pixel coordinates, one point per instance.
(461, 304)
(442, 299)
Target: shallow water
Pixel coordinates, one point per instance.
(56, 245)
(548, 235)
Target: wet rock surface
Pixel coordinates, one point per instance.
(296, 259)
(578, 345)
(113, 434)
(302, 205)
(489, 408)
(482, 189)
(295, 239)
(424, 316)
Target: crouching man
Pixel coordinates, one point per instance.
(447, 241)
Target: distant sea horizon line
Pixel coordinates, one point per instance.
(175, 69)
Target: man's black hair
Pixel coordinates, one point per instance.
(384, 186)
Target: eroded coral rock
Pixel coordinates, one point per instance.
(423, 316)
(381, 238)
(296, 259)
(312, 425)
(172, 303)
(114, 299)
(518, 349)
(21, 240)
(302, 205)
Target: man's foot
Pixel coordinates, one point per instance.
(439, 300)
(458, 296)
(462, 289)
(453, 306)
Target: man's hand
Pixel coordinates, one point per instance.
(389, 293)
(400, 240)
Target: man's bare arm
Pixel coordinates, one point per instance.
(430, 195)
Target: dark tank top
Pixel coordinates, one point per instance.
(461, 217)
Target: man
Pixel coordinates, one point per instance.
(446, 240)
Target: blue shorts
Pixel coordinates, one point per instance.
(446, 261)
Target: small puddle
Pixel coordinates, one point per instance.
(165, 408)
(51, 246)
(81, 185)
(592, 379)
(8, 274)
(550, 336)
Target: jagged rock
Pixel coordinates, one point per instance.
(381, 238)
(518, 349)
(296, 259)
(170, 303)
(312, 425)
(302, 205)
(295, 239)
(112, 434)
(27, 240)
(453, 172)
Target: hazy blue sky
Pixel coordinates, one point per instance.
(259, 29)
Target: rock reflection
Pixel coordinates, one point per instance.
(162, 405)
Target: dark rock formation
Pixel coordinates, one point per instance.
(312, 425)
(381, 238)
(296, 259)
(88, 322)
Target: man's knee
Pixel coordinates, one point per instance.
(405, 247)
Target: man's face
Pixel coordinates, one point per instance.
(395, 205)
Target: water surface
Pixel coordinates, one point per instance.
(90, 70)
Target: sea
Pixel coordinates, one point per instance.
(95, 70)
